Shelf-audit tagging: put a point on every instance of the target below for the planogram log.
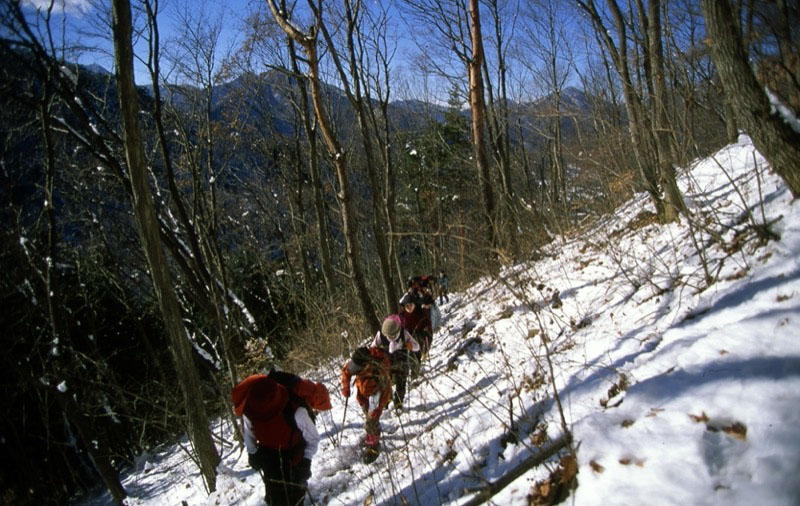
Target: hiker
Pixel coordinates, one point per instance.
(371, 369)
(279, 432)
(401, 347)
(416, 320)
(423, 284)
(444, 287)
(428, 304)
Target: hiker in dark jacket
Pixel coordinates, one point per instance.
(280, 437)
(443, 282)
(371, 369)
(416, 320)
(400, 346)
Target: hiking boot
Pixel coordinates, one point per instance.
(370, 454)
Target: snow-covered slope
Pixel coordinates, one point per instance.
(675, 390)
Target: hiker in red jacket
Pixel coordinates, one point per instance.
(279, 431)
(370, 367)
(416, 320)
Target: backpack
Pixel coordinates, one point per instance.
(305, 393)
(270, 407)
(370, 365)
(384, 341)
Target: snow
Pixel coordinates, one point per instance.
(675, 391)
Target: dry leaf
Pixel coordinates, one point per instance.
(700, 419)
(627, 423)
(570, 466)
(557, 486)
(654, 411)
(544, 489)
(737, 430)
(596, 467)
(625, 461)
(539, 438)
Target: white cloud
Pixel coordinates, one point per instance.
(69, 6)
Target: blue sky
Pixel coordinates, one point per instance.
(86, 24)
(83, 23)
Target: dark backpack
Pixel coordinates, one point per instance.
(289, 381)
(384, 341)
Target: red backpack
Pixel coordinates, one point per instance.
(270, 408)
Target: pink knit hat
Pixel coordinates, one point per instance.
(391, 326)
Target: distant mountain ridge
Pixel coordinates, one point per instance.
(268, 101)
(264, 96)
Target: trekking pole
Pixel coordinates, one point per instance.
(344, 417)
(331, 434)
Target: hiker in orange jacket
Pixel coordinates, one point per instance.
(371, 369)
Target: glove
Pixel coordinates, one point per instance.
(302, 471)
(409, 345)
(346, 392)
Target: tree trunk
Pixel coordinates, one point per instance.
(308, 41)
(299, 225)
(642, 150)
(731, 128)
(476, 100)
(360, 104)
(323, 239)
(771, 134)
(498, 124)
(345, 198)
(661, 132)
(187, 375)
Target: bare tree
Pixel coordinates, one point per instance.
(458, 26)
(662, 131)
(308, 41)
(772, 135)
(305, 108)
(378, 88)
(188, 378)
(498, 119)
(478, 105)
(266, 45)
(353, 78)
(645, 104)
(549, 45)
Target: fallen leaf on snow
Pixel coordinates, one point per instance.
(737, 430)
